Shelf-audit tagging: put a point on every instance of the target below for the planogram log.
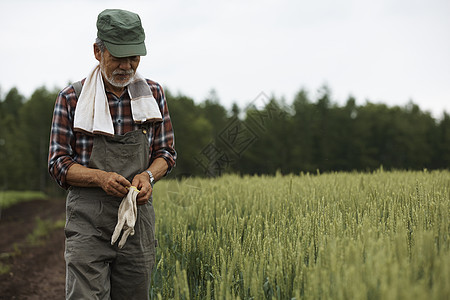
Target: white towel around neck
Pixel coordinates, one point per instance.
(92, 113)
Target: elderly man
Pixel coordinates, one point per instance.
(111, 131)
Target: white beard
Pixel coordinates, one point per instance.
(112, 81)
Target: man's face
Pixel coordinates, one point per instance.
(119, 72)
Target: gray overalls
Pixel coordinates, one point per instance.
(95, 269)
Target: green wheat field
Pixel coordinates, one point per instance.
(380, 235)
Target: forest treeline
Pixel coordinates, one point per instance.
(265, 136)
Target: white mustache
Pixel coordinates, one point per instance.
(121, 72)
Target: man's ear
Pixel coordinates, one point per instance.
(97, 52)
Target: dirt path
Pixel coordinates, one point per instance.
(35, 271)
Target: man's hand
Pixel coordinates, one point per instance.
(142, 182)
(114, 184)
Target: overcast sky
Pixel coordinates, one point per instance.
(389, 51)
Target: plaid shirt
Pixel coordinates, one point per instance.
(68, 147)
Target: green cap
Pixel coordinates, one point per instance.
(122, 32)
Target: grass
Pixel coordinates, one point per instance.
(381, 235)
(42, 230)
(4, 268)
(9, 198)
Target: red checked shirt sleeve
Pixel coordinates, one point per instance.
(62, 140)
(162, 142)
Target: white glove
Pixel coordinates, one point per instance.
(127, 217)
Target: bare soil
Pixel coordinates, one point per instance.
(36, 271)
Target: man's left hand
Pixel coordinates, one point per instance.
(142, 182)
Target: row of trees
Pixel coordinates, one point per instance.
(306, 136)
(24, 136)
(264, 137)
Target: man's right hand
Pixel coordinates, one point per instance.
(114, 184)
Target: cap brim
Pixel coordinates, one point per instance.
(126, 50)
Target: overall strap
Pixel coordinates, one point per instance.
(77, 86)
(147, 125)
